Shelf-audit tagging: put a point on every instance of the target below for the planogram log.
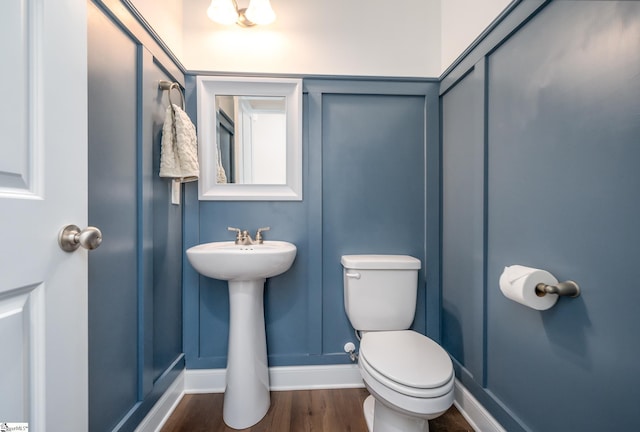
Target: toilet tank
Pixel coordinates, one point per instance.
(380, 291)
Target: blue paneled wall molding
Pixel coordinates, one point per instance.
(365, 146)
(540, 139)
(135, 277)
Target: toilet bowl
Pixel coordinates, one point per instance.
(410, 377)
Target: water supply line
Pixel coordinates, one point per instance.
(350, 349)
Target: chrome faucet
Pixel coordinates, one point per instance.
(244, 238)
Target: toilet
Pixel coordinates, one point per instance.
(409, 376)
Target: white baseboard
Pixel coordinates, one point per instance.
(280, 378)
(315, 377)
(204, 380)
(477, 416)
(161, 411)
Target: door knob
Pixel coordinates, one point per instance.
(71, 238)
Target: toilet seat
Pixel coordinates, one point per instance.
(420, 407)
(407, 362)
(402, 389)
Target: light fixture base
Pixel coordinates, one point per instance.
(243, 21)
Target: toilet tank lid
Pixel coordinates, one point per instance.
(381, 262)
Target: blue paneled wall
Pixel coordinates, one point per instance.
(541, 142)
(365, 146)
(135, 277)
(528, 157)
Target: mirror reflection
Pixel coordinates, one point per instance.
(252, 139)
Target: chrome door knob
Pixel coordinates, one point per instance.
(71, 238)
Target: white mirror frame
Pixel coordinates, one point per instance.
(207, 87)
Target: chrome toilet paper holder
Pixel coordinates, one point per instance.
(568, 288)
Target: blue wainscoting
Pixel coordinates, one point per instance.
(541, 143)
(113, 189)
(135, 277)
(365, 146)
(463, 221)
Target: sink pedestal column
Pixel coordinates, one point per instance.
(246, 398)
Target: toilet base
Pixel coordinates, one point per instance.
(381, 418)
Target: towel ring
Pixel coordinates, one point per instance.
(167, 85)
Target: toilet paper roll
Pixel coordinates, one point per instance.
(518, 283)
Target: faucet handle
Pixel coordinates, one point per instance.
(238, 233)
(259, 233)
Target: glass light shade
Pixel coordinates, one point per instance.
(222, 12)
(260, 12)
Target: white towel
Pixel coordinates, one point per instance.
(179, 152)
(221, 175)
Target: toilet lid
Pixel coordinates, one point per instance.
(407, 357)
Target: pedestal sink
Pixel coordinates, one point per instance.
(245, 267)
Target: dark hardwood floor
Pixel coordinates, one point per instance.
(295, 411)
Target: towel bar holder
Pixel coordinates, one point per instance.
(168, 85)
(568, 288)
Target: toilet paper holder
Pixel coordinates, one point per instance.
(568, 288)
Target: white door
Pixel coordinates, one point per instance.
(43, 186)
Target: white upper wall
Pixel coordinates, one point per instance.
(462, 22)
(332, 37)
(402, 38)
(165, 16)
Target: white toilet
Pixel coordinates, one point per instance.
(409, 376)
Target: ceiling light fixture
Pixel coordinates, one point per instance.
(227, 12)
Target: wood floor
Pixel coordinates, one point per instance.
(295, 411)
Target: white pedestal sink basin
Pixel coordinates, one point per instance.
(229, 261)
(245, 267)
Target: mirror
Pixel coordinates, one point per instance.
(249, 138)
(252, 138)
